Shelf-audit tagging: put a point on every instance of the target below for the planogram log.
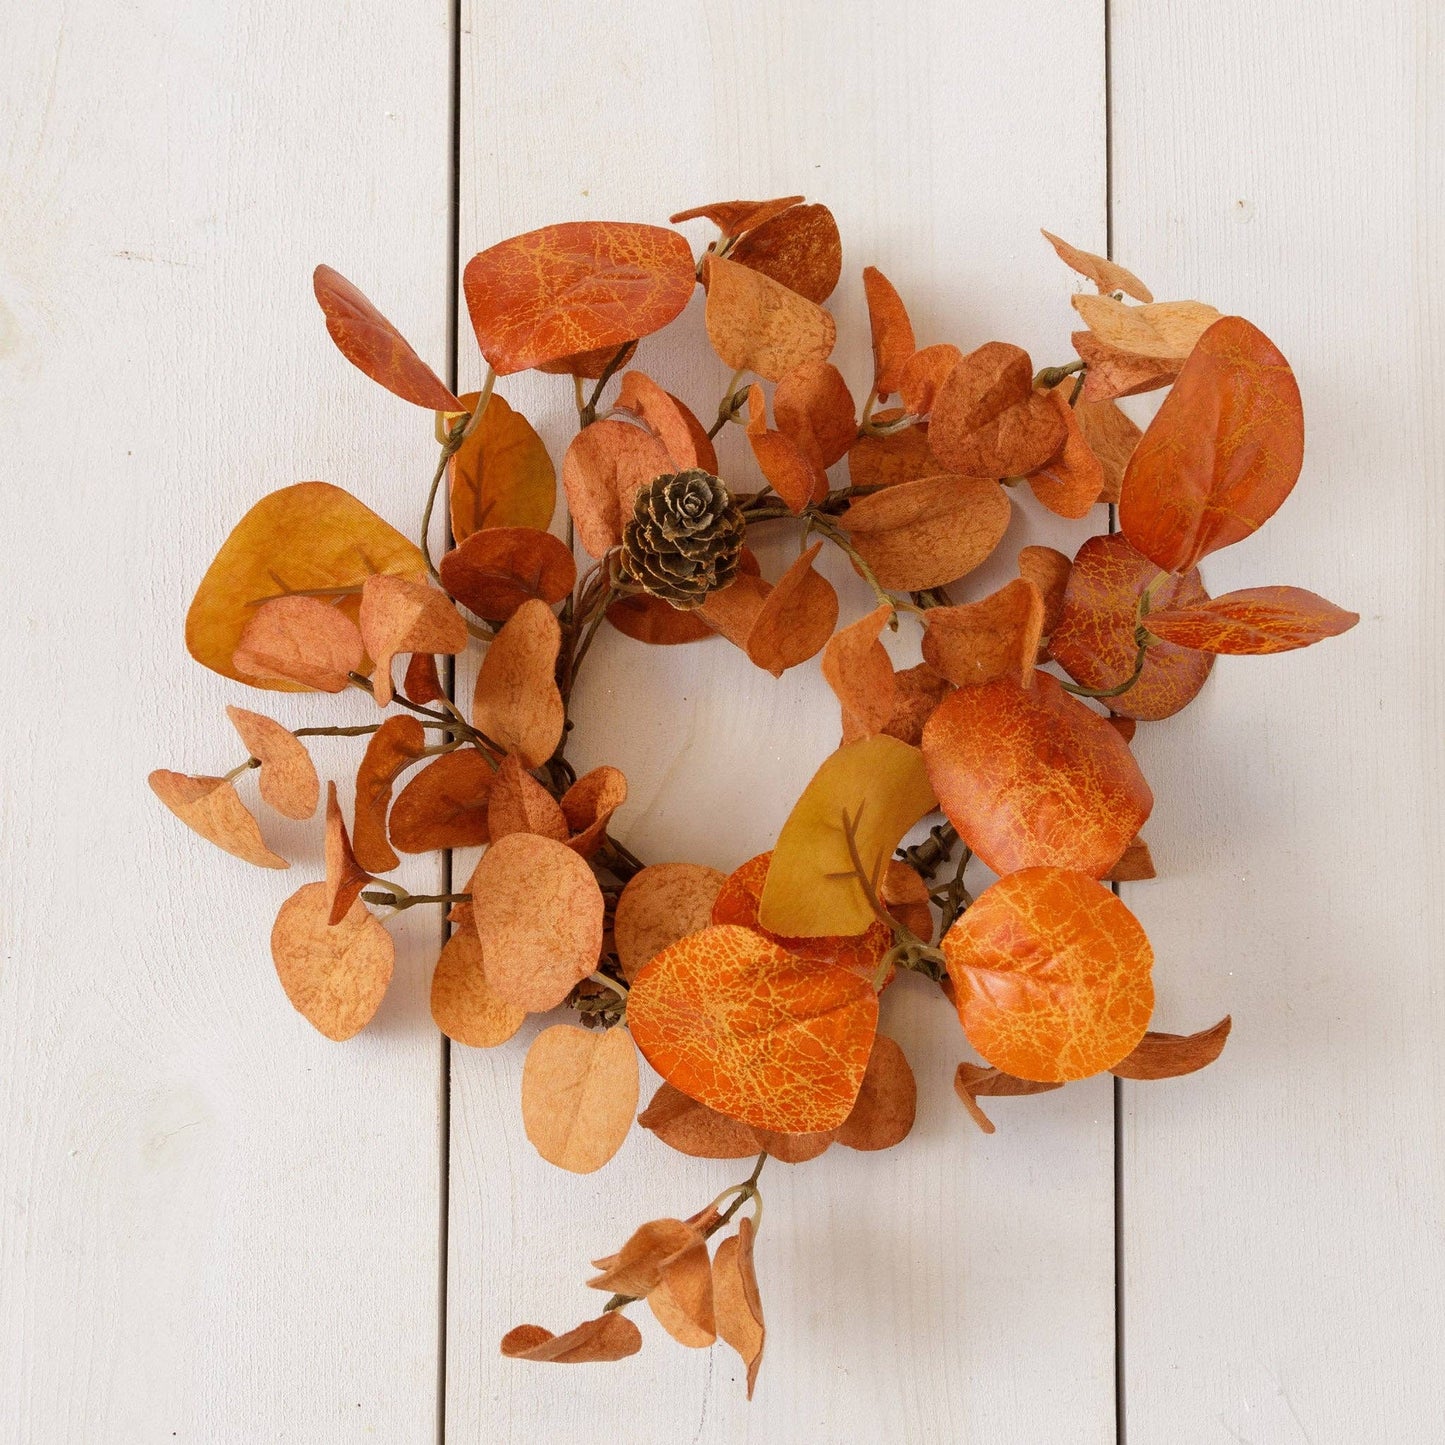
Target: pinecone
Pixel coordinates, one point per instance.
(684, 538)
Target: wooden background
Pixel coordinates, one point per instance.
(217, 1227)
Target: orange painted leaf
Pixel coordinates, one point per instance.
(1051, 974)
(747, 1028)
(576, 287)
(998, 636)
(444, 805)
(501, 475)
(799, 247)
(579, 1093)
(288, 778)
(970, 1081)
(605, 467)
(858, 669)
(1255, 620)
(1073, 480)
(370, 342)
(1105, 274)
(891, 330)
(923, 373)
(298, 642)
(1168, 1056)
(1031, 777)
(792, 474)
(1094, 636)
(399, 615)
(659, 905)
(493, 572)
(517, 703)
(609, 1337)
(796, 619)
(464, 1008)
(814, 409)
(987, 419)
(1222, 454)
(213, 808)
(757, 324)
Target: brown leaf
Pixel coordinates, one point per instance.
(972, 1080)
(655, 622)
(538, 912)
(976, 642)
(1048, 569)
(1073, 479)
(792, 475)
(796, 618)
(298, 640)
(658, 906)
(799, 247)
(694, 1129)
(518, 803)
(579, 1093)
(394, 747)
(858, 669)
(494, 571)
(1135, 866)
(288, 778)
(421, 684)
(1105, 274)
(444, 805)
(501, 475)
(987, 419)
(399, 615)
(732, 218)
(1112, 437)
(814, 409)
(1167, 1056)
(462, 1005)
(604, 468)
(213, 808)
(930, 532)
(736, 1301)
(884, 461)
(609, 1337)
(588, 806)
(757, 324)
(891, 330)
(923, 375)
(793, 1148)
(334, 974)
(517, 703)
(887, 1101)
(345, 877)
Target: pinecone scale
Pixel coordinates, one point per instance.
(684, 538)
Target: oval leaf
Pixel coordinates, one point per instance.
(1254, 621)
(517, 703)
(493, 572)
(501, 475)
(213, 808)
(579, 1093)
(757, 324)
(464, 1007)
(444, 805)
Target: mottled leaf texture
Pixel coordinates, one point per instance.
(923, 373)
(1030, 776)
(310, 537)
(399, 615)
(1222, 454)
(1255, 620)
(799, 247)
(814, 408)
(588, 806)
(609, 1337)
(516, 702)
(857, 667)
(757, 324)
(345, 877)
(891, 330)
(288, 778)
(668, 420)
(1105, 274)
(972, 1080)
(422, 684)
(1164, 331)
(605, 467)
(579, 1093)
(334, 974)
(741, 1025)
(1051, 974)
(883, 461)
(520, 804)
(444, 805)
(576, 287)
(795, 477)
(213, 808)
(298, 642)
(395, 746)
(1073, 479)
(987, 419)
(1094, 635)
(1168, 1056)
(997, 636)
(659, 905)
(493, 572)
(881, 786)
(371, 343)
(1048, 569)
(738, 1305)
(464, 1007)
(501, 475)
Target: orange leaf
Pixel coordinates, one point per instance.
(445, 805)
(636, 1268)
(1167, 1056)
(1164, 331)
(1255, 620)
(501, 475)
(694, 1129)
(1071, 482)
(800, 248)
(334, 974)
(736, 1300)
(1135, 865)
(1048, 569)
(538, 912)
(609, 1337)
(976, 642)
(518, 803)
(606, 466)
(732, 218)
(579, 1093)
(887, 1101)
(575, 287)
(213, 808)
(923, 374)
(1105, 274)
(1094, 636)
(345, 877)
(421, 683)
(517, 702)
(1033, 777)
(298, 642)
(1052, 975)
(901, 456)
(658, 623)
(399, 615)
(588, 806)
(658, 906)
(464, 1008)
(987, 419)
(395, 746)
(858, 669)
(920, 690)
(930, 532)
(667, 419)
(589, 364)
(797, 617)
(1111, 436)
(733, 610)
(905, 895)
(743, 1026)
(1110, 372)
(757, 324)
(970, 1081)
(493, 572)
(814, 408)
(681, 1301)
(1221, 455)
(288, 778)
(891, 330)
(796, 478)
(370, 342)
(310, 537)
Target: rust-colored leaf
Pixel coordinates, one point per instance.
(668, 420)
(658, 906)
(1048, 569)
(891, 330)
(444, 805)
(1112, 373)
(732, 218)
(345, 877)
(793, 1148)
(1094, 638)
(422, 684)
(987, 419)
(905, 895)
(858, 669)
(887, 1101)
(464, 1007)
(1051, 974)
(493, 572)
(747, 1028)
(733, 610)
(636, 1268)
(606, 466)
(1134, 866)
(757, 324)
(371, 343)
(884, 461)
(800, 248)
(1073, 479)
(395, 746)
(920, 690)
(501, 475)
(658, 623)
(736, 1300)
(923, 375)
(579, 1093)
(288, 778)
(930, 532)
(609, 1337)
(213, 808)
(976, 642)
(795, 477)
(576, 287)
(681, 1301)
(298, 643)
(694, 1129)
(588, 806)
(590, 364)
(1030, 776)
(1222, 454)
(518, 803)
(1254, 621)
(517, 703)
(796, 619)
(1112, 437)
(1105, 274)
(814, 409)
(538, 912)
(970, 1081)
(1168, 1056)
(334, 974)
(399, 615)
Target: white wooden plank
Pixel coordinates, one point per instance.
(214, 1225)
(1285, 1258)
(959, 1288)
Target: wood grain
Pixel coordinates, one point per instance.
(214, 1224)
(1284, 1256)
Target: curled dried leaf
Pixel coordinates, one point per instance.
(298, 642)
(681, 1301)
(605, 467)
(1168, 1056)
(1136, 865)
(395, 746)
(213, 808)
(998, 636)
(1110, 372)
(858, 669)
(732, 218)
(814, 409)
(1162, 331)
(1048, 569)
(518, 803)
(517, 702)
(345, 877)
(1073, 479)
(588, 806)
(738, 1306)
(923, 374)
(1112, 437)
(493, 572)
(422, 683)
(920, 690)
(288, 778)
(799, 247)
(636, 1268)
(464, 1007)
(444, 805)
(884, 461)
(970, 1081)
(609, 1337)
(579, 1093)
(400, 615)
(794, 476)
(1105, 274)
(668, 420)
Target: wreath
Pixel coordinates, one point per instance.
(755, 994)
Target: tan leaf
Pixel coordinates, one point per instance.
(518, 803)
(395, 746)
(444, 805)
(288, 778)
(681, 1301)
(757, 324)
(924, 373)
(975, 642)
(1112, 437)
(797, 617)
(605, 466)
(972, 1080)
(517, 703)
(858, 669)
(462, 1005)
(695, 1129)
(636, 1268)
(814, 409)
(738, 1306)
(298, 640)
(609, 1337)
(1112, 373)
(887, 1101)
(588, 806)
(1167, 1056)
(213, 808)
(334, 974)
(579, 1093)
(1105, 274)
(1162, 331)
